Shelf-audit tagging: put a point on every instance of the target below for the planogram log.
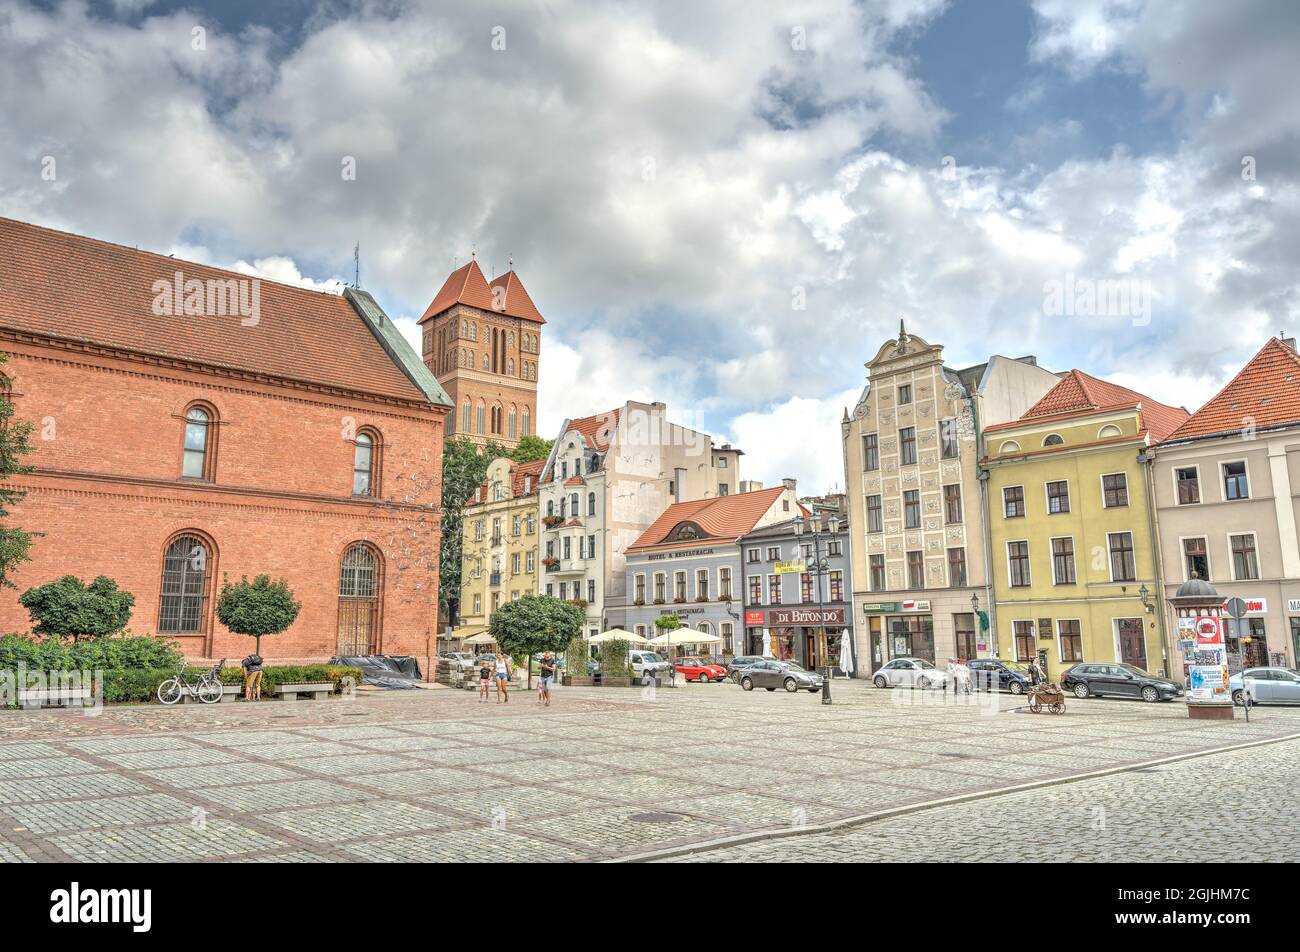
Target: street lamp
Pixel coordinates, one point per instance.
(1144, 593)
(817, 569)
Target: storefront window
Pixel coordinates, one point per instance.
(912, 636)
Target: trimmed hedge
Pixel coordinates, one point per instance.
(124, 651)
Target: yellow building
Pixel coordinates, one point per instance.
(499, 559)
(1071, 527)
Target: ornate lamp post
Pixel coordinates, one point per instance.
(817, 568)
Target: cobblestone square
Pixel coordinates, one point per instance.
(615, 774)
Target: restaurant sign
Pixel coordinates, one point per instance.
(782, 617)
(907, 605)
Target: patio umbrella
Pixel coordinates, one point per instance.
(685, 636)
(618, 634)
(482, 638)
(846, 652)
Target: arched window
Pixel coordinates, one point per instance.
(480, 416)
(360, 590)
(473, 329)
(511, 365)
(485, 360)
(523, 427)
(464, 327)
(198, 455)
(591, 504)
(465, 415)
(1052, 439)
(365, 469)
(186, 567)
(1107, 431)
(512, 338)
(1009, 446)
(512, 422)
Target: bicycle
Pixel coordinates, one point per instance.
(207, 688)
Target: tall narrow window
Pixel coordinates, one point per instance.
(948, 439)
(363, 466)
(870, 452)
(1063, 561)
(952, 503)
(1245, 565)
(956, 567)
(1196, 559)
(1018, 563)
(1070, 638)
(197, 431)
(1123, 568)
(1058, 497)
(907, 445)
(874, 521)
(916, 569)
(1188, 481)
(1114, 490)
(912, 508)
(523, 429)
(359, 591)
(184, 586)
(877, 565)
(1013, 502)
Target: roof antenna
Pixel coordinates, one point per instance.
(356, 262)
(510, 263)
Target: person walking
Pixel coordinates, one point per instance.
(548, 669)
(963, 676)
(503, 678)
(252, 666)
(484, 679)
(951, 669)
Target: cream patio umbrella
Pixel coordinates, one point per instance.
(684, 636)
(618, 634)
(482, 638)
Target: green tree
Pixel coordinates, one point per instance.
(531, 449)
(464, 467)
(668, 622)
(257, 608)
(69, 608)
(15, 543)
(535, 623)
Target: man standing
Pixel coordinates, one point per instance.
(548, 668)
(252, 666)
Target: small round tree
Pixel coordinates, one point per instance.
(257, 608)
(69, 608)
(535, 623)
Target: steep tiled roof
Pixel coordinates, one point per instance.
(599, 429)
(81, 289)
(517, 473)
(1264, 393)
(722, 517)
(515, 300)
(1080, 393)
(467, 285)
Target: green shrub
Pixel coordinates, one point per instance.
(122, 651)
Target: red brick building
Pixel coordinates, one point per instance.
(194, 425)
(483, 342)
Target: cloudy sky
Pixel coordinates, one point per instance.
(726, 204)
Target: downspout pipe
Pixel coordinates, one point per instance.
(982, 475)
(1147, 457)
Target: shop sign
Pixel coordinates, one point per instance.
(909, 605)
(793, 567)
(780, 617)
(876, 608)
(915, 605)
(1259, 606)
(1293, 606)
(753, 617)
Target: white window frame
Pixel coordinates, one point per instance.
(1223, 482)
(1007, 553)
(1060, 656)
(1128, 490)
(1232, 562)
(1209, 562)
(1173, 478)
(708, 581)
(1047, 500)
(1052, 555)
(1024, 501)
(1110, 562)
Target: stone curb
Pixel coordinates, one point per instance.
(862, 819)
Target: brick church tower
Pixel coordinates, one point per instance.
(482, 341)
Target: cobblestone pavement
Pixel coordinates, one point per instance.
(1242, 803)
(436, 775)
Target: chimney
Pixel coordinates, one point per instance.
(788, 483)
(1289, 341)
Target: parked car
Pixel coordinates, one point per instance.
(1266, 686)
(460, 660)
(910, 673)
(646, 665)
(1118, 680)
(997, 674)
(697, 669)
(772, 674)
(741, 661)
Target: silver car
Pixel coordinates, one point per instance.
(1266, 686)
(910, 673)
(772, 674)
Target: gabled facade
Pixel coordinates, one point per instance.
(911, 477)
(181, 440)
(483, 343)
(687, 563)
(499, 559)
(608, 478)
(1227, 485)
(1072, 527)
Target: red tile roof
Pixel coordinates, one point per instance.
(467, 285)
(599, 429)
(722, 517)
(515, 300)
(1264, 393)
(1080, 393)
(517, 473)
(67, 286)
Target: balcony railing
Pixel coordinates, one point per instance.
(494, 578)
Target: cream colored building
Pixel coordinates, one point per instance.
(609, 477)
(1227, 500)
(914, 497)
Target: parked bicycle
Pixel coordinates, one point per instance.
(206, 687)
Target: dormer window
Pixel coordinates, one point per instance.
(1053, 439)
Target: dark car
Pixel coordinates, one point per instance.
(741, 661)
(997, 674)
(772, 674)
(1118, 680)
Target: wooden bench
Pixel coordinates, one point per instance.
(227, 690)
(319, 690)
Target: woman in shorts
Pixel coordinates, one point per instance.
(503, 679)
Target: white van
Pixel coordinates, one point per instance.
(646, 664)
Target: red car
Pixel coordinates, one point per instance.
(696, 669)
